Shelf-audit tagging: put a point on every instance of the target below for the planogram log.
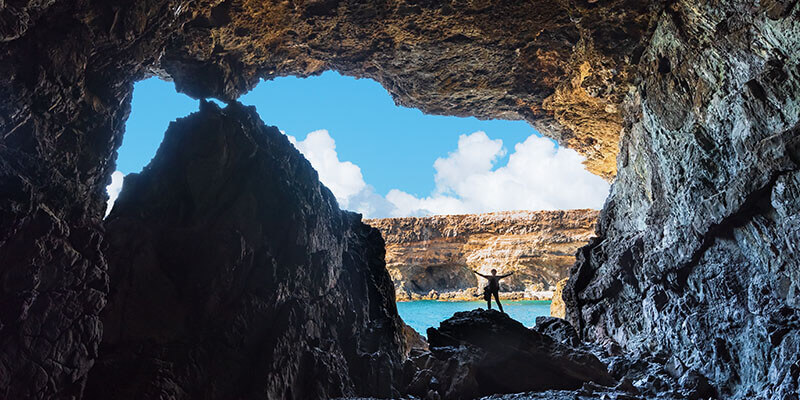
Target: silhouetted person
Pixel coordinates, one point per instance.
(493, 288)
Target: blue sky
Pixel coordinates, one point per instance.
(384, 160)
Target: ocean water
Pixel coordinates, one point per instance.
(424, 314)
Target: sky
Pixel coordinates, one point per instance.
(383, 160)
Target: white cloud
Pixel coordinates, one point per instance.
(538, 176)
(113, 189)
(343, 178)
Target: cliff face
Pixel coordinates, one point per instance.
(433, 257)
(697, 255)
(235, 275)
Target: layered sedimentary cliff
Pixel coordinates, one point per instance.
(235, 275)
(433, 257)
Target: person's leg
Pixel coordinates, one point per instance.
(497, 299)
(489, 302)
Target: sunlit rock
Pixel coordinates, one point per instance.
(433, 257)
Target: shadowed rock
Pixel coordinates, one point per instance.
(697, 254)
(235, 275)
(477, 353)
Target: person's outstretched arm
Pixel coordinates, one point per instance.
(478, 273)
(508, 274)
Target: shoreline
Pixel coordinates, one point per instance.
(544, 295)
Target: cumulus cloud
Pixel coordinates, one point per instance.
(343, 178)
(539, 175)
(113, 189)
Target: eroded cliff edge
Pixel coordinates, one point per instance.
(432, 257)
(235, 275)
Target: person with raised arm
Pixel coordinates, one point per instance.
(493, 288)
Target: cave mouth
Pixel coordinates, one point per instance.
(384, 160)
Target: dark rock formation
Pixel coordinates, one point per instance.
(697, 256)
(413, 340)
(477, 353)
(558, 329)
(235, 275)
(66, 75)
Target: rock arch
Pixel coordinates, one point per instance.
(703, 156)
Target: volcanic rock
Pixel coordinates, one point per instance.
(67, 70)
(480, 352)
(697, 255)
(696, 258)
(235, 275)
(433, 257)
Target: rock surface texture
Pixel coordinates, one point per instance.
(696, 263)
(485, 351)
(235, 275)
(433, 257)
(557, 307)
(476, 353)
(67, 70)
(698, 256)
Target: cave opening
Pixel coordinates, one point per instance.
(698, 98)
(387, 161)
(383, 160)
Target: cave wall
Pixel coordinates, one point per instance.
(233, 274)
(66, 75)
(697, 255)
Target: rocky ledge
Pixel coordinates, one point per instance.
(432, 257)
(486, 353)
(477, 353)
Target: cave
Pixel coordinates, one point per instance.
(689, 108)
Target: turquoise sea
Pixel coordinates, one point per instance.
(424, 314)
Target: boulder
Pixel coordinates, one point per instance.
(477, 353)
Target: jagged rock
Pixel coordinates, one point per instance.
(558, 308)
(433, 257)
(413, 340)
(697, 252)
(477, 353)
(235, 275)
(558, 329)
(66, 76)
(697, 256)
